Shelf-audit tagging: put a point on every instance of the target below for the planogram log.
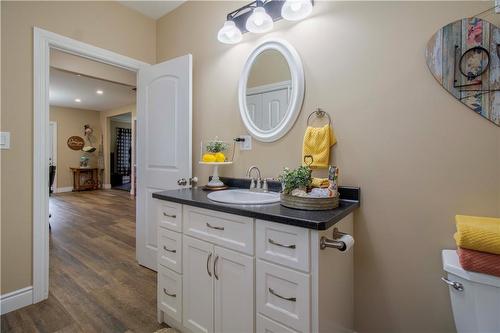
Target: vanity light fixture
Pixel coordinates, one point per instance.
(295, 10)
(229, 33)
(260, 21)
(259, 17)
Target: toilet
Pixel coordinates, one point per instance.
(475, 297)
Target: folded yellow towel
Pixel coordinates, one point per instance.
(478, 233)
(320, 182)
(317, 143)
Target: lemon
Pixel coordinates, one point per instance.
(209, 158)
(220, 157)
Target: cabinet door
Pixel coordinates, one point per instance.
(234, 291)
(197, 285)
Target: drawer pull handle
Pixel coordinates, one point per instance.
(292, 246)
(215, 267)
(169, 294)
(212, 227)
(169, 215)
(291, 299)
(456, 285)
(168, 250)
(208, 264)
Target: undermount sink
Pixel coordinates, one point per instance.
(244, 197)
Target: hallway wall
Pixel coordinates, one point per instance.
(70, 122)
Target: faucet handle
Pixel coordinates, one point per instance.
(264, 185)
(193, 181)
(252, 183)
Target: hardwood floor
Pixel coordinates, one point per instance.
(96, 284)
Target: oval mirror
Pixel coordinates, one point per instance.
(271, 90)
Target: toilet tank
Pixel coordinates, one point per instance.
(475, 300)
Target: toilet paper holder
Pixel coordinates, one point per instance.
(333, 243)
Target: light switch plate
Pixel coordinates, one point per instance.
(4, 140)
(247, 144)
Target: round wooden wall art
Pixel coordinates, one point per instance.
(76, 142)
(464, 57)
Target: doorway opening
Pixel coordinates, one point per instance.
(163, 156)
(93, 223)
(65, 74)
(121, 147)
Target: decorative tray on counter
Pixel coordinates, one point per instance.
(308, 203)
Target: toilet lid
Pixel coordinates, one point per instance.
(452, 265)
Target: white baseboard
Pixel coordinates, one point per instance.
(106, 186)
(16, 299)
(63, 189)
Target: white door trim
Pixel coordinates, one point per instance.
(43, 41)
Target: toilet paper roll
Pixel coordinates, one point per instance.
(348, 240)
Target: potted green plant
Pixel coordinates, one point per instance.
(296, 184)
(299, 178)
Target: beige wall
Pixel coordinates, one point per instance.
(106, 124)
(270, 67)
(419, 155)
(105, 24)
(70, 122)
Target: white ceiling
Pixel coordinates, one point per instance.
(153, 9)
(65, 87)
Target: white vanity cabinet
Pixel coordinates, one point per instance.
(217, 288)
(225, 273)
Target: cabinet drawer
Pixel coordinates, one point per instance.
(227, 230)
(266, 325)
(170, 215)
(283, 244)
(170, 293)
(283, 295)
(170, 249)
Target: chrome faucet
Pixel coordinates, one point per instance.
(256, 184)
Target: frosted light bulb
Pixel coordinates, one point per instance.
(294, 10)
(259, 21)
(229, 33)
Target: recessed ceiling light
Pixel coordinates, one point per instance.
(78, 74)
(99, 92)
(78, 100)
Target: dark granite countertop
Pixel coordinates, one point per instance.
(318, 220)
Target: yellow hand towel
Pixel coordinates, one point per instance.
(317, 143)
(320, 182)
(478, 233)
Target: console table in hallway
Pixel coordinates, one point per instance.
(90, 176)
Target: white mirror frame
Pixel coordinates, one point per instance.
(296, 98)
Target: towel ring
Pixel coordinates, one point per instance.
(319, 114)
